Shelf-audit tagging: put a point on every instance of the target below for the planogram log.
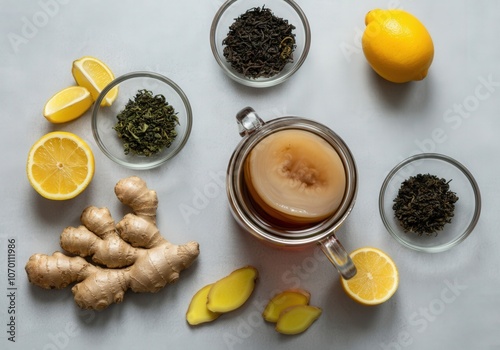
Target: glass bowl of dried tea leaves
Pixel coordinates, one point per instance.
(149, 122)
(430, 202)
(260, 45)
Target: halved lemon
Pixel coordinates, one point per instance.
(94, 75)
(377, 278)
(68, 104)
(60, 165)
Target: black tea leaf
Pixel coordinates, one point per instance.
(424, 204)
(259, 44)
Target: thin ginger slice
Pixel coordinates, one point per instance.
(198, 312)
(284, 300)
(297, 319)
(232, 291)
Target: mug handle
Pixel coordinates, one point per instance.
(338, 256)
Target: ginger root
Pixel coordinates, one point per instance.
(129, 255)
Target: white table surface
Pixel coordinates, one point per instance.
(449, 300)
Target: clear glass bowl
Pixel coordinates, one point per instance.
(104, 118)
(467, 208)
(286, 9)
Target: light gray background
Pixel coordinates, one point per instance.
(446, 301)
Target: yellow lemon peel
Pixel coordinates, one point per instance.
(397, 45)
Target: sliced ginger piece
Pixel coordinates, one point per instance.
(198, 312)
(284, 300)
(232, 291)
(297, 319)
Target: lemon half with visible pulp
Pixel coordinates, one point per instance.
(377, 278)
(60, 165)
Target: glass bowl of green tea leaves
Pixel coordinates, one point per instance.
(430, 202)
(149, 122)
(260, 45)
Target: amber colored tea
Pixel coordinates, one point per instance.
(295, 178)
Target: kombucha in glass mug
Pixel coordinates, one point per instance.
(292, 182)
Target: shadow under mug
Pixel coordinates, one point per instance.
(253, 129)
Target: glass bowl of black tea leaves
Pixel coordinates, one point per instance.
(260, 44)
(430, 202)
(149, 122)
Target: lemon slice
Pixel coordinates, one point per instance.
(377, 278)
(60, 165)
(68, 104)
(94, 75)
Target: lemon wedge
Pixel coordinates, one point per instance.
(94, 75)
(68, 104)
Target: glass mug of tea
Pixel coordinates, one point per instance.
(292, 182)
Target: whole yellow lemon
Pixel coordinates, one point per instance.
(397, 45)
